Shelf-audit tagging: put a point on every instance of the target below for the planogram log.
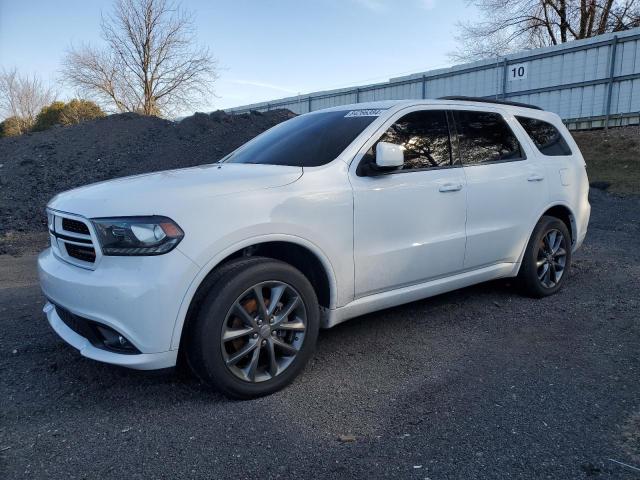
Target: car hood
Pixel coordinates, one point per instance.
(153, 193)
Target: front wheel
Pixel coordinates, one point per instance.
(547, 258)
(256, 328)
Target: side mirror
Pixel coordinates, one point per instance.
(389, 155)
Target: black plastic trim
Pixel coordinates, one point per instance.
(89, 329)
(75, 226)
(489, 100)
(382, 173)
(493, 162)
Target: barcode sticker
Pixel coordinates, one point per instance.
(364, 113)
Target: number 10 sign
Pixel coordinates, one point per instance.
(517, 72)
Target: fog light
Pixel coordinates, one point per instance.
(115, 341)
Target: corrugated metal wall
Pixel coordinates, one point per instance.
(589, 83)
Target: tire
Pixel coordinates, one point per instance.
(546, 256)
(231, 320)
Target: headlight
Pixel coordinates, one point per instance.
(152, 235)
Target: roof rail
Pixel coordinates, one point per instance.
(488, 100)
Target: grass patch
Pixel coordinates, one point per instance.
(612, 156)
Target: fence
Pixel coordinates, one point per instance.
(590, 83)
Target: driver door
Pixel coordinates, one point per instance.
(409, 223)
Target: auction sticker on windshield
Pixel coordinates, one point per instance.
(364, 113)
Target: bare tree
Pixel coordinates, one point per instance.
(22, 97)
(508, 25)
(150, 64)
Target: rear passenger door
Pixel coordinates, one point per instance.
(506, 187)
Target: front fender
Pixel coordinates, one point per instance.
(210, 265)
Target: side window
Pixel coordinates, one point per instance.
(424, 136)
(545, 136)
(485, 137)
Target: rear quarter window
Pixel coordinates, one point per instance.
(545, 136)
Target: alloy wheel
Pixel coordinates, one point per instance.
(551, 258)
(263, 331)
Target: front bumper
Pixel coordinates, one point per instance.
(139, 297)
(142, 361)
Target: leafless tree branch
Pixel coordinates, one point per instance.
(23, 96)
(510, 25)
(150, 64)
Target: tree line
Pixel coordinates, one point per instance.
(505, 26)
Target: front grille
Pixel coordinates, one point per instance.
(71, 239)
(75, 226)
(86, 254)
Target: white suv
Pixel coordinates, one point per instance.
(330, 215)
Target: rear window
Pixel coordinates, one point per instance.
(305, 141)
(545, 136)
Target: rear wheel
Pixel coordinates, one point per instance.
(547, 258)
(256, 328)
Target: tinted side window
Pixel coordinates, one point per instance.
(485, 137)
(545, 136)
(425, 138)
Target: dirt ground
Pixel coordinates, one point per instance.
(612, 157)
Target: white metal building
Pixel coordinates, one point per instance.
(590, 83)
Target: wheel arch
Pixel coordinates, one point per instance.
(564, 213)
(296, 251)
(560, 211)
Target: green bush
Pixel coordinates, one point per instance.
(11, 127)
(77, 111)
(49, 116)
(71, 113)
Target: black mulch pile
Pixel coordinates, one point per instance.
(36, 166)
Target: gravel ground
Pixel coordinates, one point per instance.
(479, 383)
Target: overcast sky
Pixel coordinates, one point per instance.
(266, 49)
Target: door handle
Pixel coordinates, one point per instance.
(450, 187)
(535, 177)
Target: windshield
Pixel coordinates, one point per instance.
(305, 141)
